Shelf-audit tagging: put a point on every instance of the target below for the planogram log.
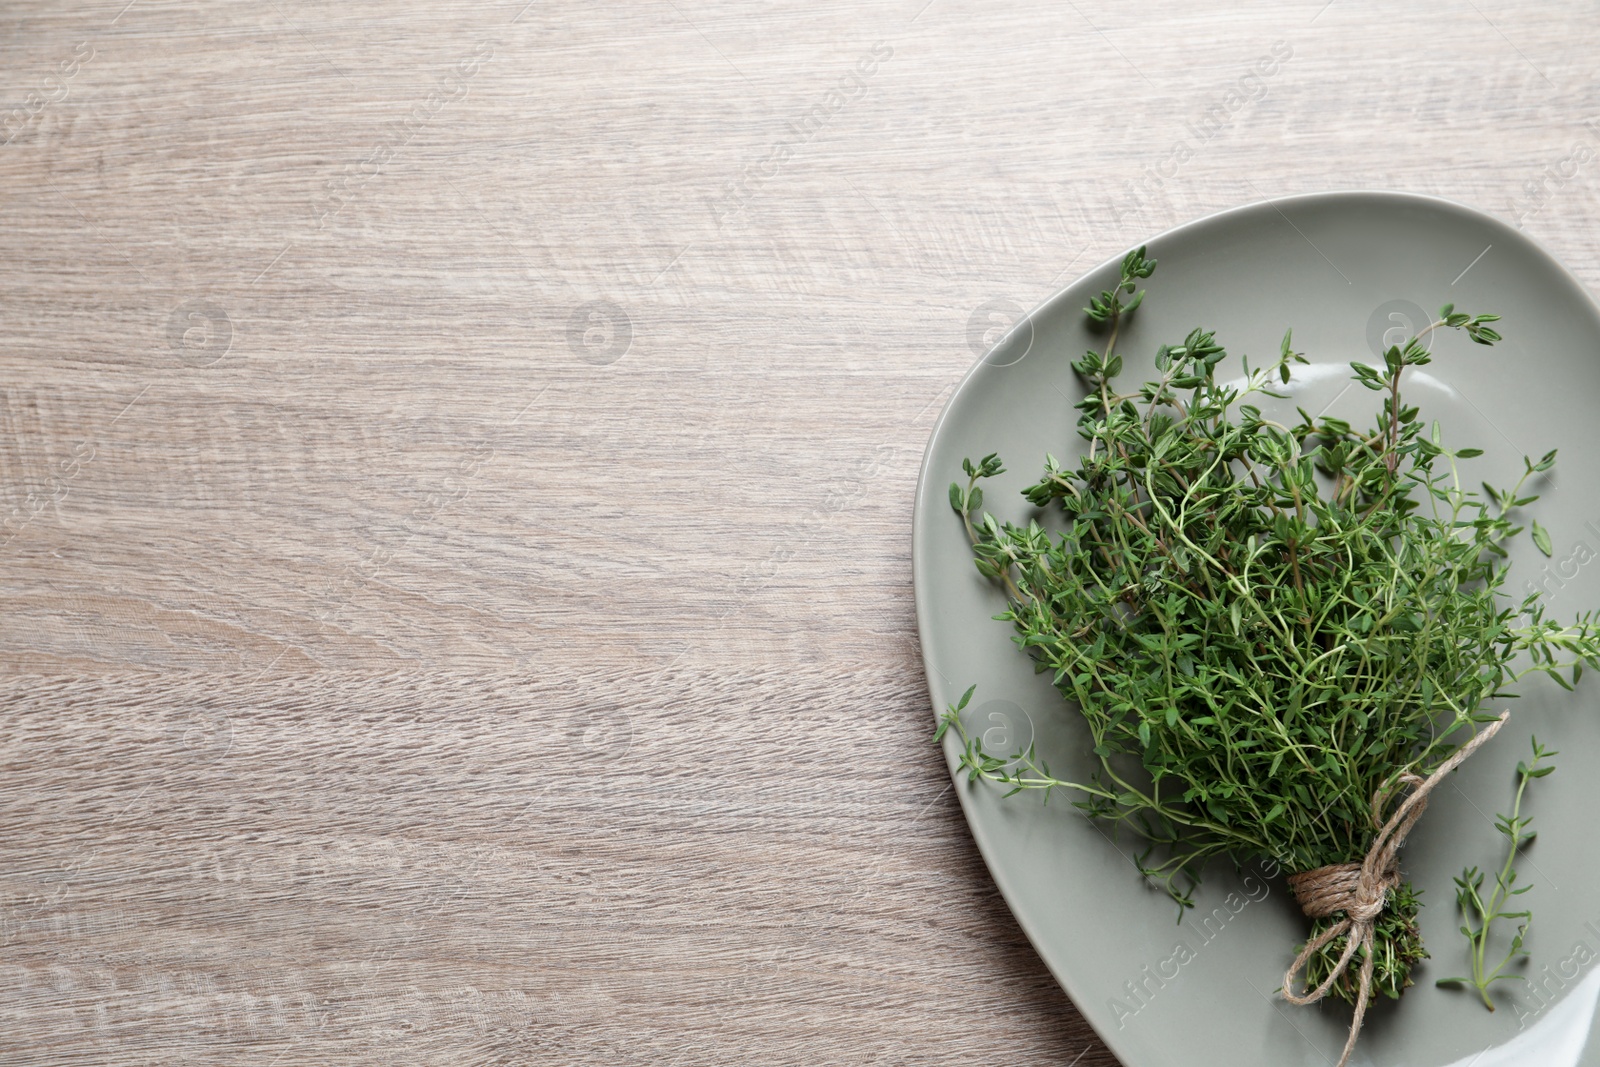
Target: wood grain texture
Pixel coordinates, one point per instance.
(455, 485)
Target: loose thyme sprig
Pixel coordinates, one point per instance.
(1264, 625)
(1480, 914)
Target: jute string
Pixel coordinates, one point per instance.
(1359, 890)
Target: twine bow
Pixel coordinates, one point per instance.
(1360, 890)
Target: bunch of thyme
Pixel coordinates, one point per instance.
(1265, 626)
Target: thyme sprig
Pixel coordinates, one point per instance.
(1480, 914)
(1264, 626)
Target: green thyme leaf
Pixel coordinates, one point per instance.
(1541, 537)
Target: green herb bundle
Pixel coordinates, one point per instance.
(1272, 631)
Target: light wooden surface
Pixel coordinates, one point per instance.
(457, 465)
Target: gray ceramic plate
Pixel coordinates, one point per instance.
(1343, 269)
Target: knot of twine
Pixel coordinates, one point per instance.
(1360, 890)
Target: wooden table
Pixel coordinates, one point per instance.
(457, 468)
